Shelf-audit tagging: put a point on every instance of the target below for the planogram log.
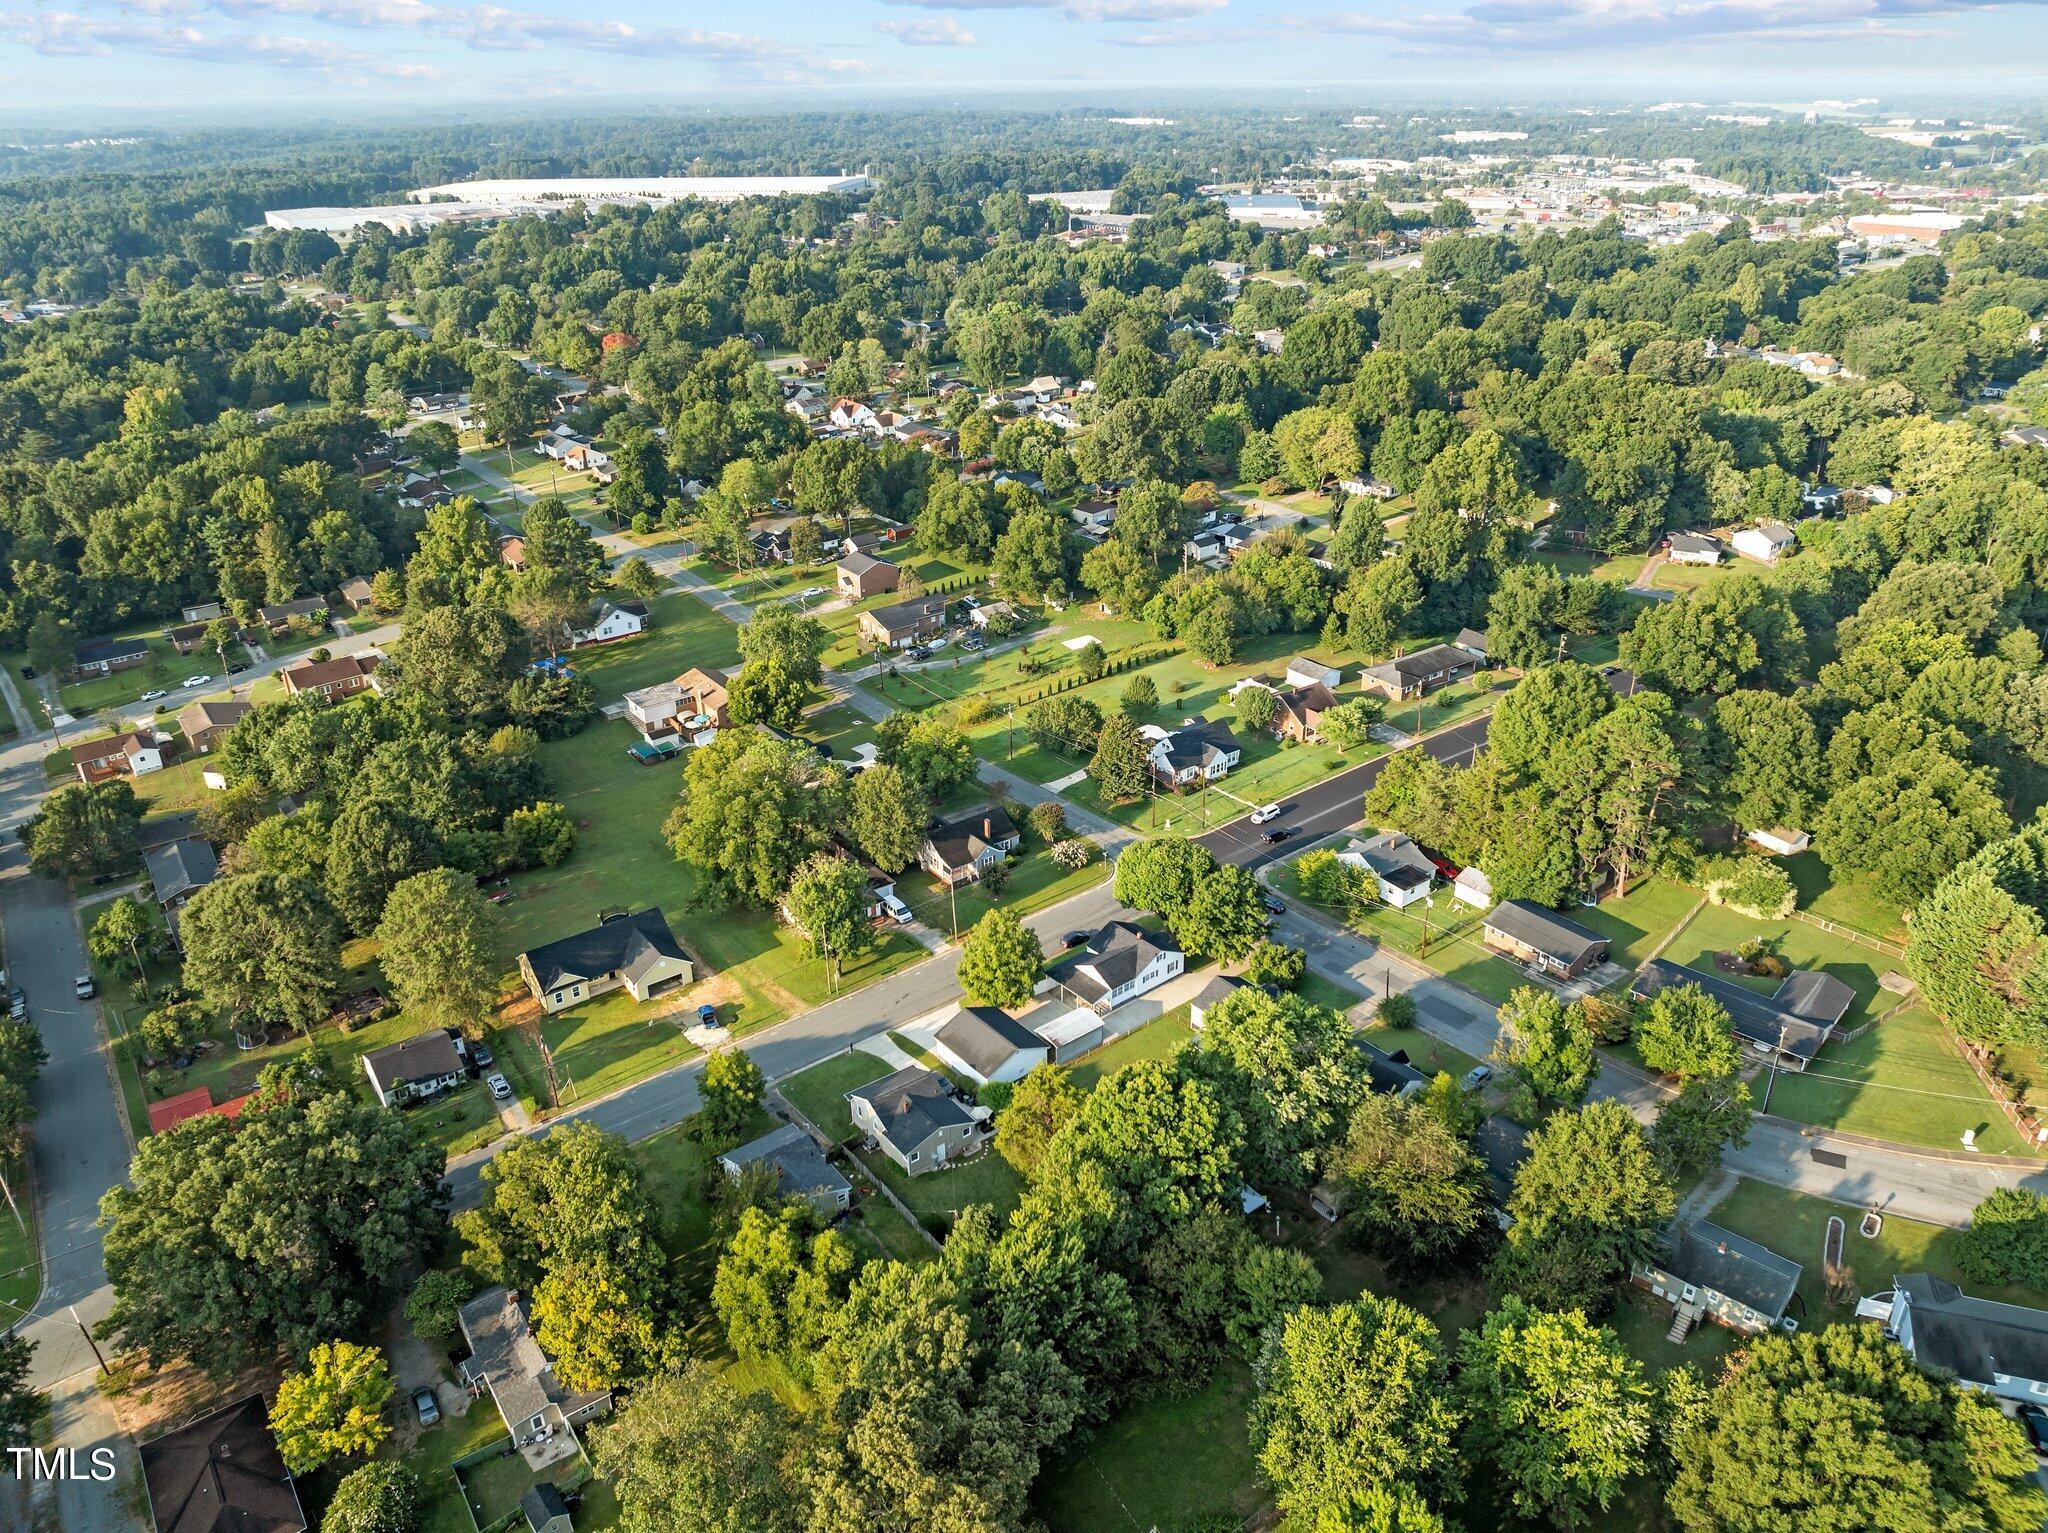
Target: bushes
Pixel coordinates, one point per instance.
(1072, 855)
(540, 836)
(1048, 821)
(1750, 885)
(2007, 1241)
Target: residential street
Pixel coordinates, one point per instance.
(81, 1149)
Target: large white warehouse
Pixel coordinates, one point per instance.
(641, 188)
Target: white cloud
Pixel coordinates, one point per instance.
(935, 32)
(1083, 10)
(61, 34)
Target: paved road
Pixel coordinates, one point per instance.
(81, 1149)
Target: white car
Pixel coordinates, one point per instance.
(898, 911)
(813, 593)
(190, 682)
(500, 1087)
(938, 643)
(150, 697)
(1264, 813)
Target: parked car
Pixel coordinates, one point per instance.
(1279, 833)
(480, 1056)
(938, 643)
(190, 682)
(28, 673)
(500, 1087)
(1264, 813)
(84, 988)
(154, 694)
(427, 1406)
(898, 911)
(236, 667)
(707, 1016)
(1075, 939)
(17, 1004)
(2035, 1420)
(1478, 1076)
(1272, 905)
(812, 593)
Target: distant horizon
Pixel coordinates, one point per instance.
(226, 60)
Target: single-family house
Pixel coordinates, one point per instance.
(1543, 939)
(2025, 436)
(221, 1474)
(2000, 1349)
(1766, 542)
(692, 707)
(1778, 840)
(1096, 516)
(1375, 489)
(1707, 1273)
(512, 552)
(180, 869)
(202, 612)
(279, 616)
(204, 725)
(187, 637)
(422, 1066)
(1388, 1073)
(1475, 644)
(985, 1043)
(863, 575)
(1400, 869)
(103, 657)
(1821, 500)
(635, 952)
(196, 1103)
(1501, 1145)
(850, 415)
(918, 1119)
(1419, 674)
(1193, 753)
(1304, 672)
(1792, 1022)
(808, 408)
(1116, 964)
(903, 624)
(1472, 887)
(1695, 548)
(960, 848)
(332, 680)
(134, 754)
(990, 613)
(801, 1169)
(1210, 996)
(356, 594)
(1298, 713)
(612, 621)
(541, 1414)
(1069, 1033)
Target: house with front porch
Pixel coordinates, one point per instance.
(1116, 964)
(633, 952)
(960, 848)
(538, 1410)
(1400, 870)
(1427, 670)
(1191, 754)
(1707, 1273)
(690, 708)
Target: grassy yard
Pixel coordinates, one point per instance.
(1427, 1053)
(1636, 923)
(1622, 567)
(1846, 899)
(1717, 929)
(1327, 992)
(1902, 1080)
(940, 1197)
(1035, 882)
(754, 969)
(819, 1093)
(21, 1277)
(683, 632)
(1161, 1038)
(1795, 1226)
(1442, 934)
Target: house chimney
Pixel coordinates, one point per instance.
(988, 827)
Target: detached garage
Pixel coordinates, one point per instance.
(987, 1044)
(1071, 1034)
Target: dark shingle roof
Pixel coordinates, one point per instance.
(95, 650)
(1114, 956)
(1973, 1338)
(221, 1474)
(1750, 1274)
(1756, 1018)
(1198, 744)
(913, 1104)
(542, 1504)
(1425, 663)
(1384, 1071)
(1545, 930)
(180, 867)
(962, 838)
(987, 1038)
(795, 1156)
(425, 1057)
(858, 563)
(611, 946)
(1502, 1145)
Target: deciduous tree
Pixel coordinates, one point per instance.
(436, 944)
(1684, 1032)
(691, 1454)
(333, 1407)
(263, 945)
(1000, 960)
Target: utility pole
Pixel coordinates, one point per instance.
(88, 1340)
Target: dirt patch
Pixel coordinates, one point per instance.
(146, 1402)
(416, 1364)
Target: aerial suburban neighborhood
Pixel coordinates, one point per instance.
(1017, 814)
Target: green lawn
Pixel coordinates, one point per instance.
(1795, 1226)
(939, 1197)
(1636, 923)
(1160, 1038)
(164, 670)
(21, 1277)
(1902, 1080)
(1716, 929)
(1169, 1464)
(1847, 899)
(683, 632)
(1622, 567)
(819, 1093)
(1035, 882)
(754, 969)
(434, 1454)
(1327, 992)
(1427, 1053)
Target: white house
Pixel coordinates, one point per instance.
(422, 1066)
(1767, 542)
(851, 415)
(1403, 874)
(1117, 964)
(1695, 548)
(1473, 887)
(1304, 672)
(1194, 753)
(615, 620)
(987, 1044)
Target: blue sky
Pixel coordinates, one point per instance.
(211, 53)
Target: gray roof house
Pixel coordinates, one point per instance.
(538, 1410)
(1542, 938)
(916, 1119)
(2001, 1349)
(1197, 752)
(1210, 996)
(1399, 867)
(801, 1167)
(1119, 963)
(1793, 1021)
(635, 952)
(421, 1066)
(221, 1474)
(545, 1509)
(1421, 673)
(1709, 1273)
(179, 870)
(986, 1044)
(1386, 1073)
(957, 849)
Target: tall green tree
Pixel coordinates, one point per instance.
(437, 945)
(1685, 1032)
(732, 1088)
(1414, 1191)
(753, 809)
(1546, 1044)
(886, 817)
(378, 1497)
(85, 830)
(1589, 1200)
(1289, 1071)
(264, 946)
(333, 1407)
(1001, 960)
(828, 902)
(689, 1453)
(129, 930)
